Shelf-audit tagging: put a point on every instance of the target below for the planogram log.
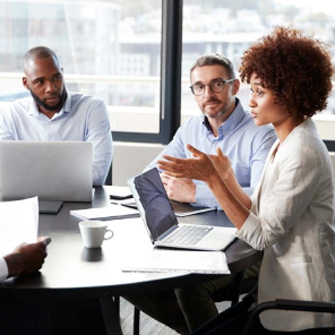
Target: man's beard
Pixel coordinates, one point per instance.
(44, 105)
(220, 112)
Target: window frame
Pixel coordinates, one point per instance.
(170, 83)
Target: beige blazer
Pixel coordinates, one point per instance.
(292, 220)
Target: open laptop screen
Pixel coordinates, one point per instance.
(60, 170)
(154, 205)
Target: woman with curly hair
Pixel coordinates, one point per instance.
(291, 213)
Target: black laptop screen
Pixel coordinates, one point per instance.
(158, 212)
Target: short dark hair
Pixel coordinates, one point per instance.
(38, 53)
(215, 59)
(295, 66)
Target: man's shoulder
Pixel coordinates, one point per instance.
(79, 97)
(193, 121)
(23, 103)
(18, 106)
(86, 103)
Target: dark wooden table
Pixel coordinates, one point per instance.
(73, 274)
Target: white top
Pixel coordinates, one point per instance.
(82, 118)
(3, 270)
(292, 219)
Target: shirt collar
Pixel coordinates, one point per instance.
(33, 110)
(231, 123)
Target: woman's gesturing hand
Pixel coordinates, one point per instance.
(199, 167)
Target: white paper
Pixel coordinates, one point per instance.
(112, 211)
(18, 223)
(183, 261)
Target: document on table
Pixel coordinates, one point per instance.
(112, 212)
(18, 223)
(183, 261)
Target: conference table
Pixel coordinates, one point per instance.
(75, 274)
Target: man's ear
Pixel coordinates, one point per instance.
(236, 86)
(24, 82)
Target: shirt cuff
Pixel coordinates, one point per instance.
(3, 270)
(204, 197)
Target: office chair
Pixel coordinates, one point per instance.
(230, 293)
(109, 178)
(288, 305)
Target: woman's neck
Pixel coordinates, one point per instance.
(285, 128)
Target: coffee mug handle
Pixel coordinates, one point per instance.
(110, 236)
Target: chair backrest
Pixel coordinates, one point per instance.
(332, 157)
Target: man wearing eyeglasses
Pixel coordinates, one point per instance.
(225, 124)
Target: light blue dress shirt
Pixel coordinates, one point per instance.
(245, 144)
(82, 118)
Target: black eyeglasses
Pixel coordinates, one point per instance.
(216, 86)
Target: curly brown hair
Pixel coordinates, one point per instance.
(295, 66)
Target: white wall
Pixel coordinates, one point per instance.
(130, 159)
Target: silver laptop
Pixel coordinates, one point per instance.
(161, 223)
(50, 170)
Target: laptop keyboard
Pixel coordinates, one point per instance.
(187, 235)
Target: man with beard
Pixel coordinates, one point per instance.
(54, 114)
(226, 125)
(223, 123)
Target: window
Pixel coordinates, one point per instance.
(228, 27)
(107, 48)
(112, 49)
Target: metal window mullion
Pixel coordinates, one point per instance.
(171, 57)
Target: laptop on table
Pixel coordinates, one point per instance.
(162, 224)
(53, 171)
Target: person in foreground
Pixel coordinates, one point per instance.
(26, 258)
(225, 124)
(291, 213)
(54, 114)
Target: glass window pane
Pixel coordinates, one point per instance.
(230, 27)
(107, 48)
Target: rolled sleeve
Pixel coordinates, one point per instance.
(250, 231)
(204, 197)
(292, 192)
(3, 270)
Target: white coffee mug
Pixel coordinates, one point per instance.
(94, 233)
